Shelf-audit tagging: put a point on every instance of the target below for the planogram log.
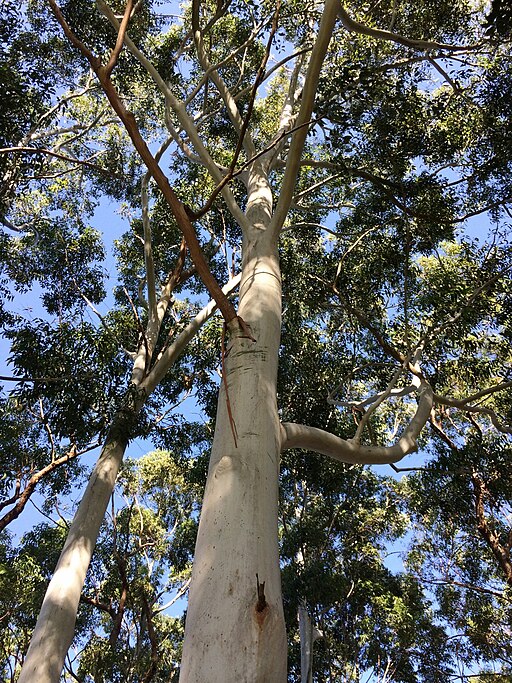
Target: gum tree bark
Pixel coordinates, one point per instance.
(235, 628)
(55, 625)
(235, 631)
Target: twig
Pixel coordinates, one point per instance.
(58, 155)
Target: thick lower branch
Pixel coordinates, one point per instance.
(349, 450)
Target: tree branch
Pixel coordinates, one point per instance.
(462, 404)
(94, 61)
(119, 40)
(102, 606)
(154, 320)
(177, 208)
(226, 60)
(180, 111)
(355, 27)
(378, 400)
(308, 97)
(488, 534)
(152, 639)
(23, 498)
(287, 116)
(173, 351)
(384, 343)
(67, 98)
(58, 155)
(245, 125)
(467, 586)
(227, 97)
(348, 450)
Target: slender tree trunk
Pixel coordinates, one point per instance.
(235, 629)
(309, 634)
(306, 644)
(55, 625)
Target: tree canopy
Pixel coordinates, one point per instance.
(359, 156)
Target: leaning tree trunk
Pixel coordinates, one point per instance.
(55, 625)
(235, 629)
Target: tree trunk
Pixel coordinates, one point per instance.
(306, 644)
(55, 625)
(308, 635)
(235, 629)
(54, 629)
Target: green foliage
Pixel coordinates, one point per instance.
(402, 148)
(77, 370)
(499, 19)
(142, 558)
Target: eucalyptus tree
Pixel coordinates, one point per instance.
(351, 144)
(141, 567)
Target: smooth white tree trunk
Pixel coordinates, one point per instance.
(234, 635)
(308, 635)
(55, 625)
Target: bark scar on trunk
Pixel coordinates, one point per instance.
(225, 380)
(260, 588)
(261, 608)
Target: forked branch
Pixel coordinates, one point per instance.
(308, 97)
(178, 209)
(247, 120)
(179, 109)
(350, 450)
(227, 97)
(464, 406)
(174, 350)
